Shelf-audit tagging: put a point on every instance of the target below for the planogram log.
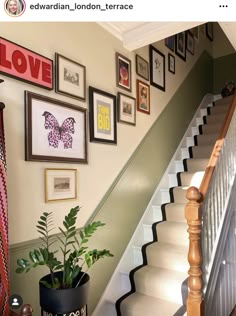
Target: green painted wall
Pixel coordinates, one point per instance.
(124, 204)
(224, 69)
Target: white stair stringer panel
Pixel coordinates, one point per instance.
(119, 283)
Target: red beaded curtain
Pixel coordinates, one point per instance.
(4, 263)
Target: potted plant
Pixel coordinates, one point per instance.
(65, 288)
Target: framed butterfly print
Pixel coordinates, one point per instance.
(102, 116)
(54, 130)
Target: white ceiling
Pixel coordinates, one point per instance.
(138, 34)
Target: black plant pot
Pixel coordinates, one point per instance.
(63, 301)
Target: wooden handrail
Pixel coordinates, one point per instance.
(26, 310)
(193, 214)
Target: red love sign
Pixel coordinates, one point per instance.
(19, 62)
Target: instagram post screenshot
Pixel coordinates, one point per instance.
(117, 158)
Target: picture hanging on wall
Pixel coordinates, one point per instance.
(54, 130)
(70, 78)
(123, 72)
(196, 33)
(102, 116)
(171, 63)
(180, 45)
(60, 184)
(170, 42)
(190, 43)
(126, 109)
(157, 68)
(23, 64)
(143, 97)
(209, 30)
(142, 67)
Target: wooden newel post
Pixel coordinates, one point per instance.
(195, 306)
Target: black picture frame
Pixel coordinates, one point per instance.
(171, 63)
(170, 42)
(190, 43)
(55, 131)
(102, 116)
(157, 68)
(180, 45)
(123, 72)
(126, 109)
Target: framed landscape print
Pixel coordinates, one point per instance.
(123, 72)
(60, 184)
(70, 78)
(171, 63)
(180, 45)
(142, 67)
(102, 116)
(157, 68)
(190, 43)
(54, 130)
(143, 97)
(126, 109)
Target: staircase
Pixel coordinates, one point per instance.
(158, 283)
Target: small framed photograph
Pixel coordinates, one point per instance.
(70, 78)
(142, 67)
(196, 33)
(170, 42)
(190, 43)
(157, 68)
(123, 72)
(180, 45)
(126, 109)
(60, 184)
(209, 30)
(143, 97)
(171, 63)
(54, 130)
(102, 116)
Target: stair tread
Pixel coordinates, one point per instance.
(160, 282)
(138, 304)
(173, 232)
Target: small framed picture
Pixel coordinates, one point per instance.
(102, 116)
(190, 43)
(123, 72)
(60, 184)
(54, 130)
(126, 109)
(170, 42)
(209, 30)
(180, 45)
(70, 78)
(143, 97)
(171, 63)
(142, 67)
(157, 68)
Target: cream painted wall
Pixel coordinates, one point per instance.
(92, 46)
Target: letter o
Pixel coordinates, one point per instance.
(19, 61)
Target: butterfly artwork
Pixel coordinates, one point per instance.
(59, 133)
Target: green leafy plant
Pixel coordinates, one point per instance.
(76, 257)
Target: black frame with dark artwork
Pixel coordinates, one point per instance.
(180, 45)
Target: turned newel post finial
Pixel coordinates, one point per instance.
(26, 310)
(194, 217)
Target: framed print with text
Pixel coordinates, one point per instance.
(54, 130)
(70, 78)
(60, 184)
(157, 68)
(102, 116)
(126, 109)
